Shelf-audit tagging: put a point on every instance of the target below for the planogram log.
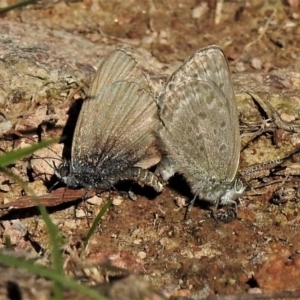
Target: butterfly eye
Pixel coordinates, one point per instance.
(64, 170)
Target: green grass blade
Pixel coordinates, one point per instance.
(96, 221)
(12, 156)
(53, 232)
(51, 274)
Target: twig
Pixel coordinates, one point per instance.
(272, 114)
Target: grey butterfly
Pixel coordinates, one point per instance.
(114, 135)
(200, 133)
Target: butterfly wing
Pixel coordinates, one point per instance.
(116, 66)
(115, 128)
(198, 109)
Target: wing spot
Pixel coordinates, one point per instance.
(210, 99)
(171, 86)
(202, 115)
(223, 148)
(198, 90)
(202, 148)
(223, 124)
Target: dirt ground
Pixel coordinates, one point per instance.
(257, 255)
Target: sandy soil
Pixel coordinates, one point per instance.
(255, 255)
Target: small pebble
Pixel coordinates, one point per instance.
(255, 291)
(240, 67)
(95, 200)
(137, 241)
(168, 243)
(181, 201)
(132, 196)
(142, 255)
(256, 63)
(80, 213)
(287, 118)
(199, 11)
(117, 200)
